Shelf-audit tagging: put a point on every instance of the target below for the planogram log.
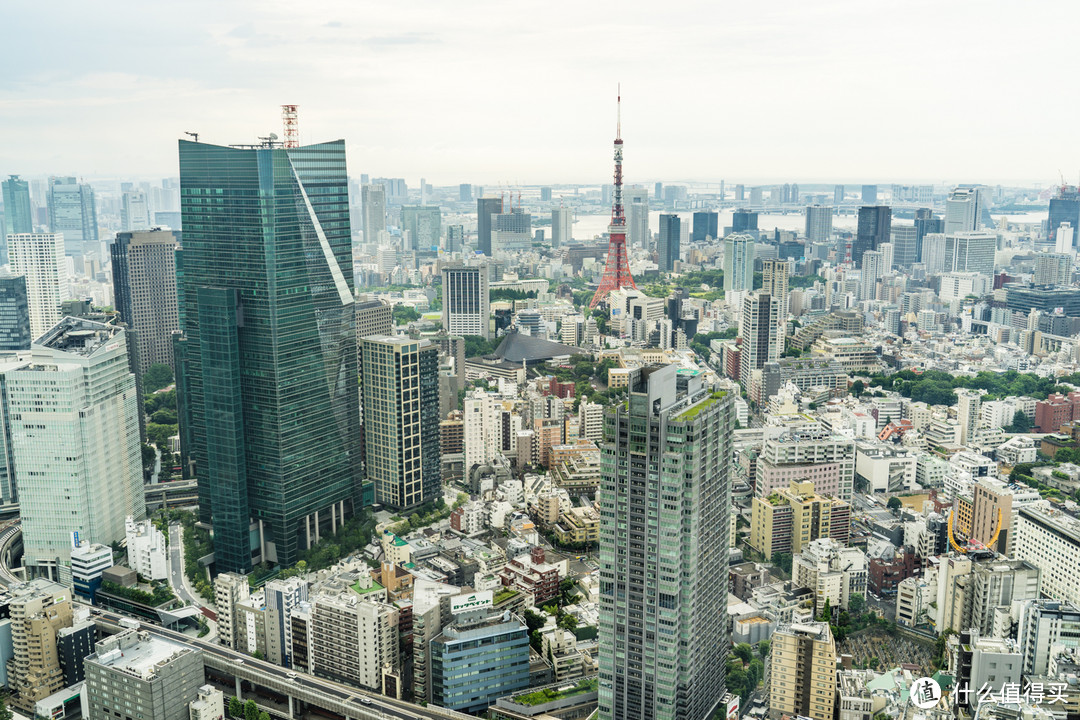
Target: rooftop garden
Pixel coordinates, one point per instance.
(694, 410)
(546, 695)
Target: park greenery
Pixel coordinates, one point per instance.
(539, 697)
(160, 595)
(404, 314)
(744, 671)
(162, 423)
(427, 514)
(510, 294)
(585, 373)
(477, 346)
(935, 387)
(700, 342)
(239, 710)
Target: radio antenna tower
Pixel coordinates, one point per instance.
(291, 127)
(617, 269)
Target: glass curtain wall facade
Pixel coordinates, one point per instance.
(665, 511)
(267, 363)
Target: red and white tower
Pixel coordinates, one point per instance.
(617, 270)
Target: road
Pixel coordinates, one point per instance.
(176, 566)
(376, 706)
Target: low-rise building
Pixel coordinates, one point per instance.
(578, 525)
(146, 549)
(480, 656)
(530, 573)
(788, 519)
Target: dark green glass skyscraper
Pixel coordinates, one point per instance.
(267, 362)
(18, 216)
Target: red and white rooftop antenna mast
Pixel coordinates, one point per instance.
(291, 126)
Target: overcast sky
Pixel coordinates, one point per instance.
(524, 92)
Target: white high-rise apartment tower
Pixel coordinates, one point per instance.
(738, 262)
(40, 257)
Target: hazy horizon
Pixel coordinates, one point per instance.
(488, 94)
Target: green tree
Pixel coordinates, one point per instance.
(894, 503)
(826, 611)
(236, 707)
(763, 648)
(568, 622)
(783, 561)
(744, 652)
(157, 376)
(251, 710)
(858, 388)
(5, 711)
(404, 314)
(263, 715)
(856, 604)
(1020, 423)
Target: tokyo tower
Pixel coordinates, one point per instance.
(617, 270)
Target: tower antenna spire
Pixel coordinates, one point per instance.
(617, 267)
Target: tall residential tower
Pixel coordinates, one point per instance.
(665, 505)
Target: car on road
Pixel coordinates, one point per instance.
(365, 700)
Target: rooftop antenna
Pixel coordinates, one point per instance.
(194, 135)
(290, 122)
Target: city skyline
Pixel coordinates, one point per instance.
(765, 91)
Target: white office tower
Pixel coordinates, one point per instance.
(970, 252)
(963, 209)
(562, 226)
(738, 262)
(933, 253)
(40, 257)
(146, 549)
(873, 269)
(72, 413)
(134, 211)
(636, 202)
(818, 223)
(1053, 268)
(466, 303)
(1063, 238)
(888, 256)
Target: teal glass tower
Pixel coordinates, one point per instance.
(664, 519)
(18, 215)
(267, 361)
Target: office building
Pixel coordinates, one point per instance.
(134, 211)
(761, 331)
(39, 610)
(466, 306)
(838, 194)
(818, 223)
(743, 220)
(813, 454)
(373, 209)
(144, 292)
(373, 317)
(400, 387)
(739, 252)
(81, 364)
(267, 363)
(925, 223)
(486, 209)
(18, 212)
(967, 413)
(963, 209)
(787, 520)
(88, 562)
(873, 230)
(668, 245)
(73, 214)
(1064, 208)
(970, 252)
(706, 225)
(637, 220)
(511, 231)
(1049, 539)
(481, 655)
(423, 227)
(1042, 625)
(775, 283)
(353, 636)
(933, 254)
(869, 194)
(802, 678)
(664, 636)
(1064, 239)
(39, 257)
(562, 226)
(1053, 269)
(455, 238)
(904, 239)
(873, 269)
(465, 192)
(133, 670)
(14, 312)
